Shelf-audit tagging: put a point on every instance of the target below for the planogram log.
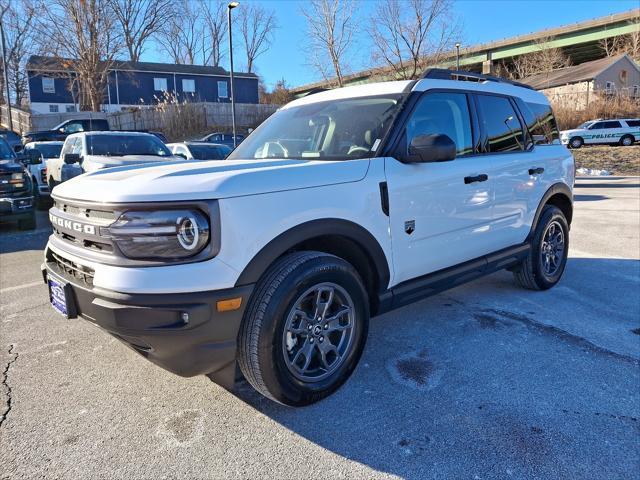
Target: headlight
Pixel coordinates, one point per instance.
(170, 234)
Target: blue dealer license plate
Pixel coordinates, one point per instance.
(57, 296)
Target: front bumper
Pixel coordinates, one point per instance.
(183, 333)
(16, 208)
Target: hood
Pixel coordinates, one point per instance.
(204, 180)
(95, 162)
(11, 166)
(569, 132)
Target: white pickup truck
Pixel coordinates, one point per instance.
(342, 205)
(91, 151)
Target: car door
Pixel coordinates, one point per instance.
(518, 168)
(439, 213)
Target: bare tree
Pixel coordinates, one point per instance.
(409, 35)
(256, 29)
(139, 20)
(544, 58)
(181, 36)
(280, 94)
(629, 44)
(330, 28)
(84, 38)
(215, 19)
(18, 18)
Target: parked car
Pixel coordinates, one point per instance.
(39, 179)
(199, 150)
(624, 131)
(12, 138)
(344, 204)
(16, 200)
(66, 128)
(223, 138)
(91, 151)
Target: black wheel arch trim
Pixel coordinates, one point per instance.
(313, 229)
(556, 188)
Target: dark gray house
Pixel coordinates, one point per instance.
(52, 89)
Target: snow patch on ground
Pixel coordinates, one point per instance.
(593, 172)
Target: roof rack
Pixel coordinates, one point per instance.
(462, 75)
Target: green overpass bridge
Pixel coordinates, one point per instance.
(579, 41)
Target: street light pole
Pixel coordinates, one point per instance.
(457, 56)
(6, 76)
(230, 7)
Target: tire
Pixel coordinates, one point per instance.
(27, 223)
(276, 333)
(42, 203)
(533, 273)
(576, 142)
(627, 140)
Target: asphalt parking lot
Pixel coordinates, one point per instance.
(484, 381)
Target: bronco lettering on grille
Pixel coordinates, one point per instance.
(71, 225)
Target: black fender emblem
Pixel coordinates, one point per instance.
(409, 226)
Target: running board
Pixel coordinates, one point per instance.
(436, 282)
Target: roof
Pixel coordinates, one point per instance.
(53, 64)
(578, 73)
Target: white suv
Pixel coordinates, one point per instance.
(623, 132)
(342, 205)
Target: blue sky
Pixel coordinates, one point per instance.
(483, 21)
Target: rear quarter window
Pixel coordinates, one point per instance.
(633, 123)
(540, 122)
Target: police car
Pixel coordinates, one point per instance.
(621, 132)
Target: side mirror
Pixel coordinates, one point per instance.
(181, 155)
(70, 158)
(435, 147)
(30, 157)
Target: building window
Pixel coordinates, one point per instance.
(70, 108)
(53, 108)
(636, 91)
(48, 85)
(188, 85)
(160, 84)
(222, 90)
(609, 88)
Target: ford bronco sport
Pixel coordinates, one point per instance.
(342, 205)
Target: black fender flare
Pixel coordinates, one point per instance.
(556, 188)
(312, 230)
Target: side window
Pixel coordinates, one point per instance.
(540, 121)
(503, 130)
(633, 123)
(442, 113)
(615, 124)
(73, 127)
(68, 146)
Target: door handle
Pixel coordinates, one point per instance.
(478, 178)
(536, 171)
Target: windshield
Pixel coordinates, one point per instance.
(332, 130)
(48, 150)
(6, 153)
(585, 125)
(121, 145)
(206, 152)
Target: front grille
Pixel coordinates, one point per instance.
(85, 213)
(72, 269)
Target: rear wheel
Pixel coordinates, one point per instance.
(547, 258)
(304, 329)
(576, 142)
(627, 140)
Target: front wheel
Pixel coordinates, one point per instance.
(304, 329)
(576, 142)
(547, 259)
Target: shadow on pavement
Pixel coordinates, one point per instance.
(483, 382)
(589, 198)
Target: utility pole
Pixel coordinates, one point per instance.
(6, 76)
(230, 7)
(457, 56)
